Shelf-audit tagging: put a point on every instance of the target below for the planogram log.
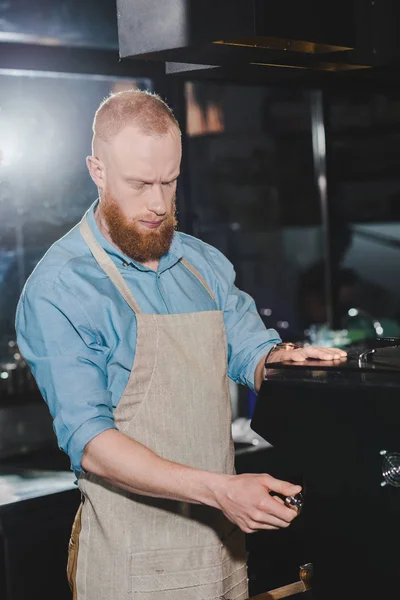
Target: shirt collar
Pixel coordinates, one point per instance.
(167, 261)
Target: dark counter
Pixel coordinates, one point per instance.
(331, 424)
(37, 509)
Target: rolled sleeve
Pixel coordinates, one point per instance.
(68, 361)
(247, 337)
(83, 435)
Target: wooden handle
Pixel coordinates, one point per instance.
(282, 592)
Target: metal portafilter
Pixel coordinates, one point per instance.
(296, 502)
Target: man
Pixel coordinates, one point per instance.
(131, 331)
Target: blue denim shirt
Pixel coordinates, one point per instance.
(78, 335)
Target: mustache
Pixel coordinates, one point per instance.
(148, 218)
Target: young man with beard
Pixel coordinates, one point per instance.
(131, 330)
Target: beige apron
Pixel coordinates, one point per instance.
(177, 404)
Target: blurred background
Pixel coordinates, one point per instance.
(250, 179)
(298, 185)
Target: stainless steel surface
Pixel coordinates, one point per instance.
(319, 158)
(23, 485)
(388, 356)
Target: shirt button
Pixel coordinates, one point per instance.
(124, 264)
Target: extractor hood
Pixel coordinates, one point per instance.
(250, 36)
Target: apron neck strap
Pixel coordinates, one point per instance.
(111, 270)
(107, 265)
(198, 276)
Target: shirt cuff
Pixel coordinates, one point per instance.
(250, 375)
(82, 436)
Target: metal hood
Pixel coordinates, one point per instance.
(291, 35)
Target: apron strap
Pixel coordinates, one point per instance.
(107, 265)
(111, 270)
(198, 276)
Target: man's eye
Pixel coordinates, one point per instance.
(138, 185)
(169, 183)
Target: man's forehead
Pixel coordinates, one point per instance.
(135, 142)
(145, 152)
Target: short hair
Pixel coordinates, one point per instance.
(145, 110)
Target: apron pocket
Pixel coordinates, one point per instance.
(197, 573)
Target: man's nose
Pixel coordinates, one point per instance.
(155, 200)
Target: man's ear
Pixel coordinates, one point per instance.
(96, 170)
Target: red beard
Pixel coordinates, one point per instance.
(142, 246)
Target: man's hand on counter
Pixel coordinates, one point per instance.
(302, 354)
(297, 354)
(246, 501)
